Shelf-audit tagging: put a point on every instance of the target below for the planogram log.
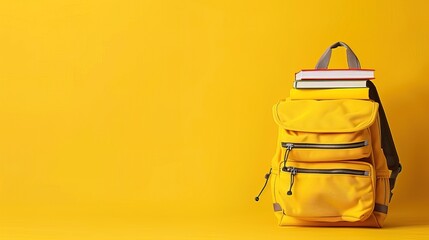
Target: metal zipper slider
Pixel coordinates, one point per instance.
(289, 146)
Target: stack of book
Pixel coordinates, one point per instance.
(332, 78)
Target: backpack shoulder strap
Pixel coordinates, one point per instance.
(387, 142)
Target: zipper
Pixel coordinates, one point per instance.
(328, 171)
(289, 145)
(294, 171)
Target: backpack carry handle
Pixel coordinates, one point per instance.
(352, 60)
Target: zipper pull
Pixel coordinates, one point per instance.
(289, 147)
(267, 176)
(293, 172)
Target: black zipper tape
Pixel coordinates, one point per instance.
(328, 171)
(294, 171)
(289, 145)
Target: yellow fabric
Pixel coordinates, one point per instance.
(354, 195)
(328, 192)
(342, 115)
(324, 94)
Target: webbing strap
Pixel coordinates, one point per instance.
(381, 208)
(387, 143)
(352, 59)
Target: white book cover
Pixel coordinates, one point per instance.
(344, 74)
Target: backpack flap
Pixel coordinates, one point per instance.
(318, 129)
(341, 115)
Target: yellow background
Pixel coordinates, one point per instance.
(152, 119)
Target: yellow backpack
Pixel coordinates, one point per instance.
(336, 162)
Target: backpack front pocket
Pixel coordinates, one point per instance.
(327, 192)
